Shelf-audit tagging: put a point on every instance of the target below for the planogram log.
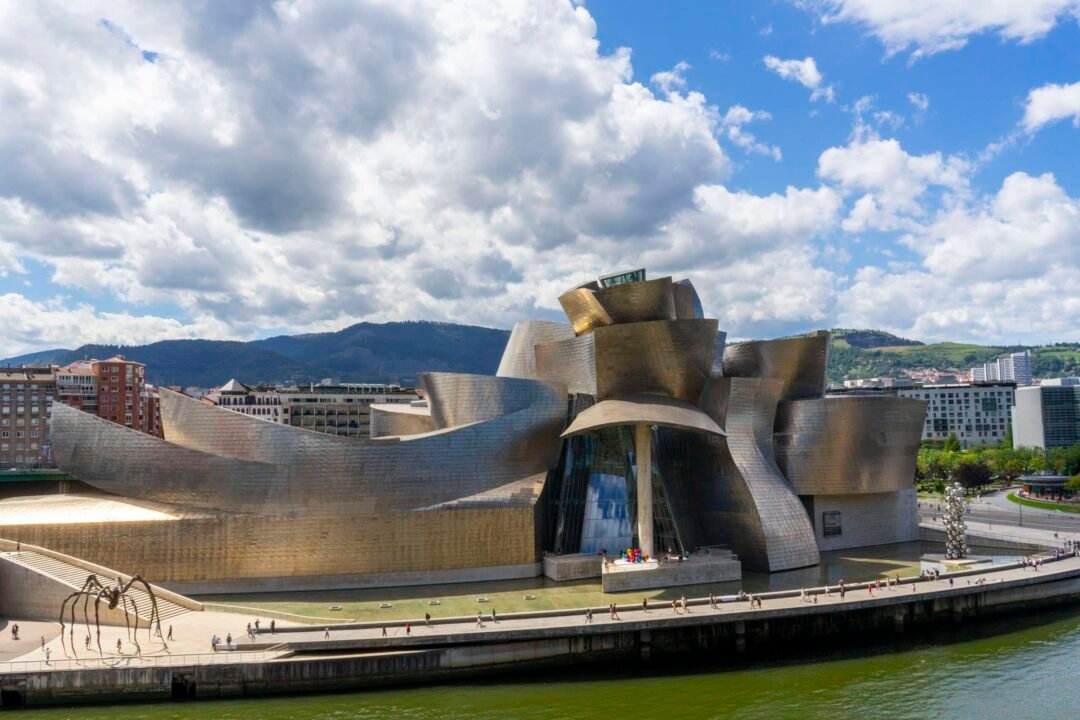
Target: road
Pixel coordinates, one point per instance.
(997, 509)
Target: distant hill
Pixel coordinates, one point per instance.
(395, 352)
(42, 357)
(366, 352)
(873, 353)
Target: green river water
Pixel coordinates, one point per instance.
(1012, 668)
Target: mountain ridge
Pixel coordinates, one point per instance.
(396, 351)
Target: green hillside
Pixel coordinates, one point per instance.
(857, 354)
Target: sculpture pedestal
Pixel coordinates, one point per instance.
(718, 566)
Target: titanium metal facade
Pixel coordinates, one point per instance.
(741, 449)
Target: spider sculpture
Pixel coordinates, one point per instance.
(113, 596)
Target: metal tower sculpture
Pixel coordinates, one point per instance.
(955, 528)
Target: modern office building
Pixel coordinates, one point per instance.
(26, 400)
(632, 426)
(341, 409)
(976, 413)
(1014, 368)
(1047, 416)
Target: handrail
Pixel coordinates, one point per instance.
(175, 598)
(221, 657)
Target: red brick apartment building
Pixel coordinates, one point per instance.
(123, 396)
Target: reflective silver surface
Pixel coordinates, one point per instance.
(753, 509)
(570, 362)
(667, 357)
(519, 357)
(643, 410)
(394, 419)
(801, 363)
(218, 459)
(849, 444)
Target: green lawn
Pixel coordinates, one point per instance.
(508, 596)
(1043, 505)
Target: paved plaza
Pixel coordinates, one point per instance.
(192, 632)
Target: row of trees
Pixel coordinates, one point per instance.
(979, 467)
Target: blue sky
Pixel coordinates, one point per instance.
(244, 169)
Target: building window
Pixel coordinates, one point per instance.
(830, 523)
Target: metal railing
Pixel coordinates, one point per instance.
(221, 657)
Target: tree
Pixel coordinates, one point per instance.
(1073, 484)
(972, 474)
(952, 444)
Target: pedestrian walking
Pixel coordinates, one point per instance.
(119, 647)
(682, 602)
(170, 633)
(228, 640)
(256, 626)
(87, 641)
(479, 619)
(644, 606)
(408, 630)
(48, 654)
(427, 619)
(272, 626)
(493, 619)
(384, 631)
(674, 606)
(615, 611)
(326, 634)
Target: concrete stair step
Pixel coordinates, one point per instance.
(75, 577)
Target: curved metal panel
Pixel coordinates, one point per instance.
(643, 409)
(395, 419)
(750, 506)
(667, 357)
(799, 362)
(584, 310)
(687, 303)
(519, 357)
(456, 399)
(639, 301)
(207, 460)
(569, 362)
(851, 444)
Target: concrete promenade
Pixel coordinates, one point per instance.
(368, 636)
(192, 632)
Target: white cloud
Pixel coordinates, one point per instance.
(804, 72)
(892, 182)
(932, 26)
(1051, 103)
(32, 325)
(919, 100)
(732, 124)
(673, 80)
(301, 166)
(719, 56)
(1001, 268)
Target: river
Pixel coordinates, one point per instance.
(1013, 668)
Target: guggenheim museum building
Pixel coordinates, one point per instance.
(632, 425)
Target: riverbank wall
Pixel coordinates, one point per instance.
(323, 666)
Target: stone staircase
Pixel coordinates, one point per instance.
(75, 577)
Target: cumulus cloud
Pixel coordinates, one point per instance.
(300, 166)
(1050, 103)
(983, 270)
(890, 182)
(31, 325)
(805, 72)
(932, 26)
(733, 124)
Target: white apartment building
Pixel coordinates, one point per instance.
(1015, 368)
(977, 413)
(341, 409)
(241, 398)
